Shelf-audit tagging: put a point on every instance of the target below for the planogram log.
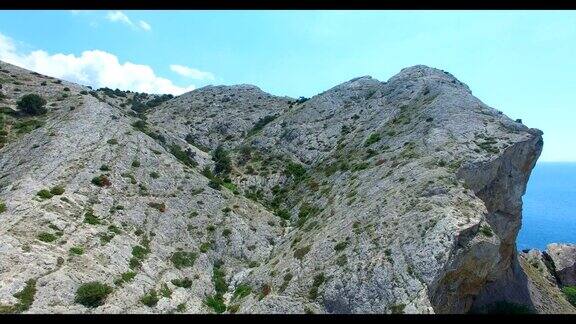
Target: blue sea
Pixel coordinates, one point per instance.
(549, 211)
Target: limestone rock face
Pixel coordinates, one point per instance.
(372, 197)
(564, 258)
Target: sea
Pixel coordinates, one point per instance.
(549, 206)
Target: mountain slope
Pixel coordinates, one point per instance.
(372, 197)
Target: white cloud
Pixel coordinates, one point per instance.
(95, 68)
(191, 73)
(119, 16)
(144, 25)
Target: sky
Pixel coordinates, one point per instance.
(520, 62)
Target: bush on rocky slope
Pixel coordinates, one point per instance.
(92, 294)
(32, 104)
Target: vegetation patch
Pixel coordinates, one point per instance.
(318, 280)
(32, 104)
(92, 294)
(44, 194)
(78, 250)
(101, 181)
(301, 252)
(486, 231)
(150, 299)
(373, 138)
(241, 291)
(47, 237)
(159, 206)
(183, 259)
(25, 297)
(185, 157)
(260, 124)
(90, 218)
(125, 277)
(216, 302)
(570, 293)
(57, 190)
(183, 283)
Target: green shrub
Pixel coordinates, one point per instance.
(112, 141)
(204, 247)
(2, 207)
(223, 164)
(154, 175)
(301, 252)
(183, 283)
(92, 294)
(397, 308)
(373, 138)
(185, 157)
(159, 206)
(57, 190)
(150, 299)
(25, 296)
(134, 263)
(182, 259)
(341, 246)
(101, 181)
(140, 252)
(295, 170)
(45, 194)
(47, 237)
(181, 307)
(486, 231)
(136, 163)
(27, 126)
(78, 250)
(260, 124)
(214, 184)
(283, 213)
(127, 276)
(216, 303)
(90, 218)
(165, 291)
(242, 291)
(105, 167)
(32, 104)
(318, 280)
(218, 278)
(570, 293)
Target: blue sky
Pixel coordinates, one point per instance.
(521, 62)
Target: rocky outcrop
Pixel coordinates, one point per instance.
(563, 257)
(372, 197)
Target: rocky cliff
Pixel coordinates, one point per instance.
(372, 197)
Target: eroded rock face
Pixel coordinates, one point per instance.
(564, 258)
(372, 197)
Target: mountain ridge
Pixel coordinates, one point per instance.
(371, 197)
